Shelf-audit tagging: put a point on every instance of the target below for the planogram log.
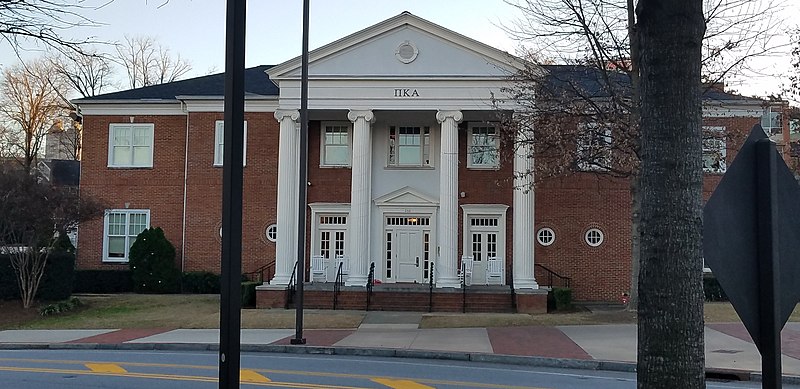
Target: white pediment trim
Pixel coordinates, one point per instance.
(406, 197)
(406, 18)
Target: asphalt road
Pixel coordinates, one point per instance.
(90, 369)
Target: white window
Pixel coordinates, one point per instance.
(120, 230)
(483, 148)
(335, 144)
(130, 145)
(272, 232)
(546, 236)
(714, 150)
(593, 237)
(771, 121)
(594, 147)
(332, 230)
(409, 146)
(219, 143)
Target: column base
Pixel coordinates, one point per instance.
(270, 296)
(280, 280)
(356, 281)
(532, 301)
(525, 284)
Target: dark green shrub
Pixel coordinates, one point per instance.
(103, 281)
(249, 294)
(59, 277)
(712, 289)
(152, 263)
(60, 307)
(63, 244)
(200, 282)
(563, 297)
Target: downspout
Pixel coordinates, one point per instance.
(185, 186)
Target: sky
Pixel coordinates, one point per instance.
(196, 28)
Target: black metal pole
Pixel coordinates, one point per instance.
(303, 182)
(768, 259)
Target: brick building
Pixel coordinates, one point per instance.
(405, 171)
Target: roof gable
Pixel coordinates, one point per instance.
(406, 196)
(382, 50)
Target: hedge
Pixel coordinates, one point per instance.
(200, 282)
(103, 281)
(249, 294)
(712, 290)
(56, 284)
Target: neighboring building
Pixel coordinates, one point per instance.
(405, 170)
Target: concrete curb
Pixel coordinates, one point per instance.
(520, 360)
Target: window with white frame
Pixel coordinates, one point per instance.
(483, 147)
(409, 146)
(545, 236)
(271, 233)
(714, 150)
(594, 146)
(594, 237)
(335, 145)
(130, 145)
(771, 121)
(332, 229)
(121, 227)
(219, 143)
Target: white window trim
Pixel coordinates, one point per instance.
(720, 131)
(484, 210)
(602, 237)
(219, 132)
(580, 144)
(328, 209)
(322, 143)
(112, 126)
(482, 166)
(431, 149)
(538, 237)
(266, 232)
(106, 259)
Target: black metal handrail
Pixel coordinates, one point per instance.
(260, 272)
(550, 273)
(337, 285)
(463, 287)
(290, 287)
(370, 283)
(430, 287)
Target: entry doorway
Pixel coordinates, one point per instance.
(408, 249)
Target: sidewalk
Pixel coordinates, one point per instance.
(612, 347)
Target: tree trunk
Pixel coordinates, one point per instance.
(636, 236)
(671, 351)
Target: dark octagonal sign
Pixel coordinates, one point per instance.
(730, 243)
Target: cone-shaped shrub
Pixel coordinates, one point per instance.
(152, 263)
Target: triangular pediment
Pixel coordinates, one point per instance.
(403, 46)
(406, 196)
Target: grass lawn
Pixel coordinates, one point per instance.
(202, 311)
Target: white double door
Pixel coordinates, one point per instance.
(409, 254)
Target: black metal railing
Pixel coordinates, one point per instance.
(290, 288)
(565, 281)
(337, 285)
(430, 287)
(370, 283)
(258, 274)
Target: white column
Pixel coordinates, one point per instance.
(447, 266)
(286, 244)
(523, 213)
(360, 197)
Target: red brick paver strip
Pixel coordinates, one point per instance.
(319, 337)
(790, 339)
(547, 342)
(122, 336)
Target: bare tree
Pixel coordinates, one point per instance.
(31, 104)
(32, 215)
(147, 63)
(43, 21)
(86, 74)
(670, 324)
(597, 100)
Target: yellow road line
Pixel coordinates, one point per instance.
(251, 376)
(401, 384)
(105, 368)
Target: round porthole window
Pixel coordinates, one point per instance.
(272, 232)
(593, 237)
(546, 236)
(406, 52)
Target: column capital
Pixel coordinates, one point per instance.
(441, 116)
(280, 114)
(367, 114)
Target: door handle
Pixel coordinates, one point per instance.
(417, 261)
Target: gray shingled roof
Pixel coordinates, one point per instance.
(256, 82)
